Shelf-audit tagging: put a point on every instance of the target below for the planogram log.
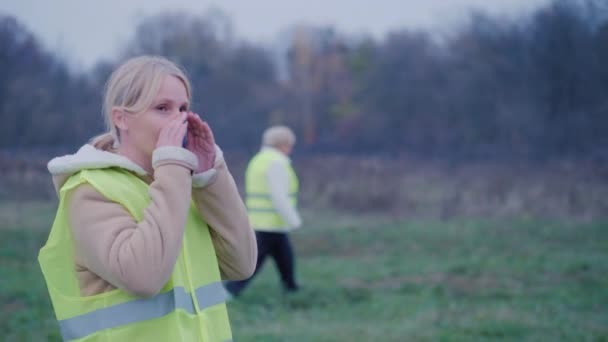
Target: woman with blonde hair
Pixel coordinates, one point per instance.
(149, 221)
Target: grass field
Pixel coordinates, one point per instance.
(378, 279)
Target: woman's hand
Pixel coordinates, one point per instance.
(201, 142)
(173, 133)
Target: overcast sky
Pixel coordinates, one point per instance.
(84, 31)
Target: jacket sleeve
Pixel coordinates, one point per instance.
(137, 257)
(278, 181)
(219, 203)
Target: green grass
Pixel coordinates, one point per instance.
(376, 279)
(25, 309)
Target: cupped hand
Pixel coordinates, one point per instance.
(201, 142)
(172, 134)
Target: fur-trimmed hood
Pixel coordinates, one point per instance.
(88, 157)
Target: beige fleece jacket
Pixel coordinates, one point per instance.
(112, 250)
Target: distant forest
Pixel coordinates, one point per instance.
(533, 87)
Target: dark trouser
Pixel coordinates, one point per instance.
(276, 245)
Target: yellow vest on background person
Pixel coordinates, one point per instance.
(262, 214)
(190, 307)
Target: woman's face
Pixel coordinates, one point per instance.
(145, 127)
(285, 148)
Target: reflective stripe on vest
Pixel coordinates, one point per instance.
(141, 310)
(260, 195)
(268, 205)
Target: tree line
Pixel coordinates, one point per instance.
(530, 87)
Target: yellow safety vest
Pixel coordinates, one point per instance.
(190, 307)
(262, 214)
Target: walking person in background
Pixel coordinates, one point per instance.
(149, 222)
(271, 195)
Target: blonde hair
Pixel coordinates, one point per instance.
(132, 87)
(277, 136)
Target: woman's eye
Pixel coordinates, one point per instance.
(183, 109)
(162, 108)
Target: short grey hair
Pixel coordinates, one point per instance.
(277, 136)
